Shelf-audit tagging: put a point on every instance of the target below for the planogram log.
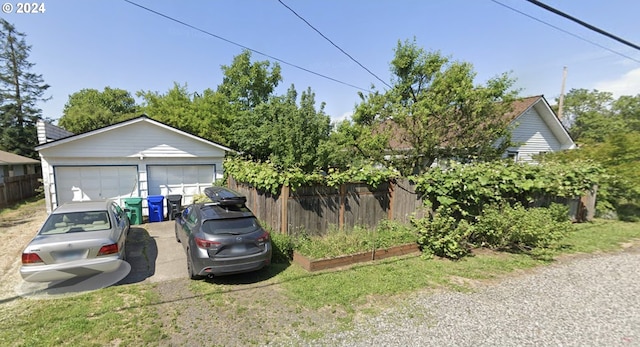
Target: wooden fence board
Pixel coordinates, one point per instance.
(18, 188)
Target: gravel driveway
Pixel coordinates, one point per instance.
(590, 301)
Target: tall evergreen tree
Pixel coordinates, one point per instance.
(20, 89)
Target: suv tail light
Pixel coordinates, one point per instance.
(31, 258)
(202, 243)
(108, 249)
(263, 238)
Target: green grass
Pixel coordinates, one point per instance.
(359, 239)
(600, 236)
(352, 287)
(116, 315)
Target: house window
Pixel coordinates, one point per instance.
(512, 154)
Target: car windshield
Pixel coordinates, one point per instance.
(76, 222)
(234, 226)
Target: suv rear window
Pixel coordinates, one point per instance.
(234, 226)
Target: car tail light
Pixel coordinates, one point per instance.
(108, 249)
(202, 243)
(31, 258)
(263, 238)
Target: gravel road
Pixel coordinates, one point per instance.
(590, 301)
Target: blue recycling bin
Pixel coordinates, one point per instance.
(156, 208)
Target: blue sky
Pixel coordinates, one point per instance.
(80, 44)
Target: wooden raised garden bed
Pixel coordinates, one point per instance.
(328, 263)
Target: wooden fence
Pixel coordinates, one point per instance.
(314, 209)
(18, 188)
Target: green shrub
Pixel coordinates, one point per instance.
(443, 234)
(359, 239)
(559, 212)
(282, 248)
(519, 229)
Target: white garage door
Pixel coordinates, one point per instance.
(186, 180)
(78, 183)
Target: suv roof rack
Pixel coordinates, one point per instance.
(224, 196)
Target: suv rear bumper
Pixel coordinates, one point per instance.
(232, 265)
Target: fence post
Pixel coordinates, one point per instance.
(284, 221)
(343, 193)
(391, 190)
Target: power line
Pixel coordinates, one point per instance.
(567, 32)
(584, 24)
(334, 45)
(243, 46)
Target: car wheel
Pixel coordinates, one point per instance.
(192, 274)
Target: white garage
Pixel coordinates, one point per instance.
(139, 157)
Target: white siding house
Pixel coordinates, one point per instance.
(139, 157)
(536, 129)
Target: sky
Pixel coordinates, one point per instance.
(79, 44)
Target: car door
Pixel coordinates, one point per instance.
(120, 225)
(187, 222)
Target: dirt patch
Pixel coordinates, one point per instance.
(18, 227)
(236, 315)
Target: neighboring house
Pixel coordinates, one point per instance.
(139, 157)
(18, 177)
(535, 129)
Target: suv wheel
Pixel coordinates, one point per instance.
(192, 275)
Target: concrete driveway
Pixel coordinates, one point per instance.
(154, 254)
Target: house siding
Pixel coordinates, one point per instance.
(533, 135)
(135, 140)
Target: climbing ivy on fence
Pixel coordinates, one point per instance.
(469, 187)
(265, 176)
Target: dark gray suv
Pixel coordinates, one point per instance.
(222, 237)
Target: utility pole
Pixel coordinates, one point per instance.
(561, 101)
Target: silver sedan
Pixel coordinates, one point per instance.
(77, 239)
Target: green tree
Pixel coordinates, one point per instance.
(200, 114)
(246, 84)
(608, 132)
(433, 110)
(244, 87)
(20, 89)
(91, 109)
(213, 113)
(287, 134)
(591, 116)
(628, 109)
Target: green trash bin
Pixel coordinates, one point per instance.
(134, 210)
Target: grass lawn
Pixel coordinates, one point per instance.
(127, 315)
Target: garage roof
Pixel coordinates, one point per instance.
(142, 118)
(7, 158)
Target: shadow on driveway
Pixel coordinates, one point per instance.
(142, 253)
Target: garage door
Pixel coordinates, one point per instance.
(78, 183)
(186, 180)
